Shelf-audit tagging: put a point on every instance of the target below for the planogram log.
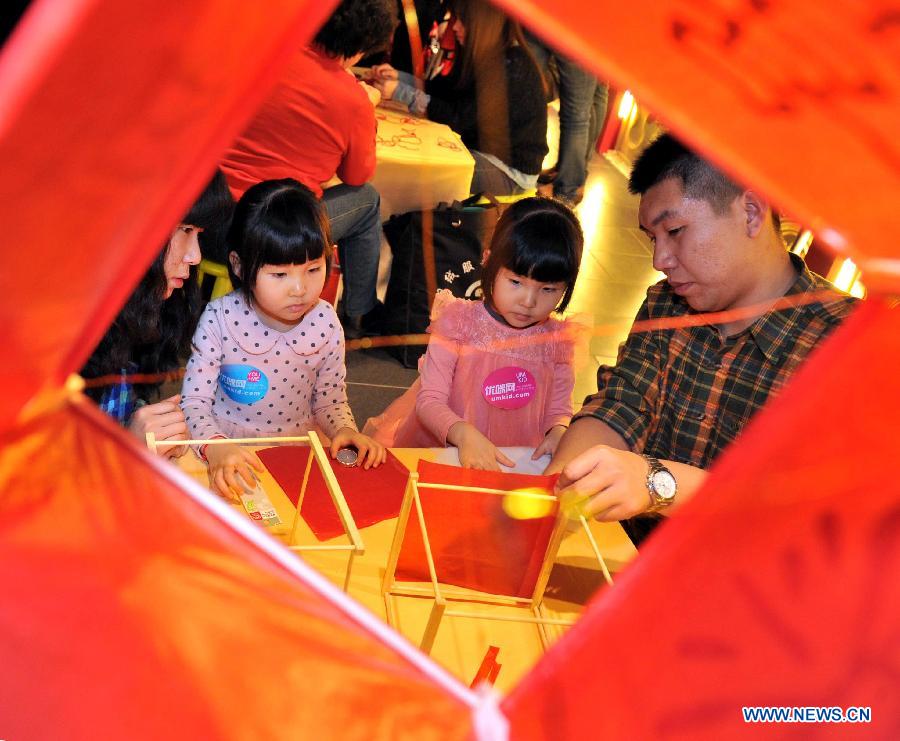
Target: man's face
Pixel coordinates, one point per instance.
(706, 257)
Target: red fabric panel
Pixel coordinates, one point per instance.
(474, 543)
(129, 611)
(799, 98)
(372, 495)
(776, 585)
(113, 115)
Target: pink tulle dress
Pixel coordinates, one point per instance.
(511, 384)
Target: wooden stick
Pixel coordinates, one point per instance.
(542, 629)
(509, 618)
(309, 462)
(387, 581)
(389, 611)
(434, 621)
(483, 490)
(349, 569)
(235, 440)
(590, 535)
(409, 589)
(337, 495)
(559, 529)
(151, 442)
(348, 547)
(429, 557)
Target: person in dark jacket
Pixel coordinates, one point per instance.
(493, 98)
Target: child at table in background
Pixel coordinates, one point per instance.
(499, 372)
(268, 358)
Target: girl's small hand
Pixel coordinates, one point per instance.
(371, 453)
(475, 450)
(550, 442)
(231, 469)
(165, 420)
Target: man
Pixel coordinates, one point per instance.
(319, 123)
(677, 397)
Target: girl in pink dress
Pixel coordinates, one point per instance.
(499, 372)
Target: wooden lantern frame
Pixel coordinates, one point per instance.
(443, 596)
(355, 547)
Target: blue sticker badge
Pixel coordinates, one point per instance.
(244, 384)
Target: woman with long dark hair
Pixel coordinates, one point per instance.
(493, 98)
(152, 333)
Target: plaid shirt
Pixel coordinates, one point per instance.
(686, 394)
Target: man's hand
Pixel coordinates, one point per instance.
(475, 450)
(371, 452)
(605, 483)
(165, 420)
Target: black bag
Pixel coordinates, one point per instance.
(461, 232)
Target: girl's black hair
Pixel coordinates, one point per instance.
(539, 238)
(151, 334)
(277, 222)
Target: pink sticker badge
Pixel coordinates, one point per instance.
(509, 388)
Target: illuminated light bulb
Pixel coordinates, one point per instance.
(521, 504)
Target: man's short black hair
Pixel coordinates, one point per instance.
(358, 27)
(666, 158)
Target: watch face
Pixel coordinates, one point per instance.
(664, 484)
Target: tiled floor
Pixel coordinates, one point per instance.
(615, 272)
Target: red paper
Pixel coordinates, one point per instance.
(131, 611)
(489, 669)
(373, 495)
(474, 543)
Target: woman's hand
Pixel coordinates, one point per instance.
(550, 442)
(372, 92)
(371, 453)
(387, 88)
(231, 469)
(165, 420)
(475, 450)
(385, 79)
(382, 72)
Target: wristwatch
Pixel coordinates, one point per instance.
(661, 485)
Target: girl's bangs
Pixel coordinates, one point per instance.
(541, 264)
(291, 248)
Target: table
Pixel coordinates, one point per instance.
(461, 643)
(419, 163)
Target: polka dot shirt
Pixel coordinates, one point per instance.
(245, 379)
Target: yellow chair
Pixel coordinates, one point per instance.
(219, 272)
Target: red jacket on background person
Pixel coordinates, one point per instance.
(317, 123)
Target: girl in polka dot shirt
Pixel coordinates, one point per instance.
(268, 358)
